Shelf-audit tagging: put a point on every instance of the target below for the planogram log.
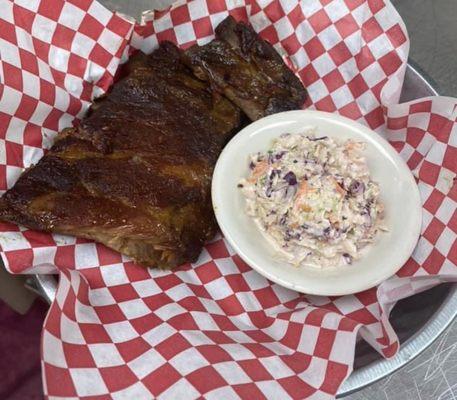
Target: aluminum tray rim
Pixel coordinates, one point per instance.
(409, 350)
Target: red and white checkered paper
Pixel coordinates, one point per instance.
(215, 328)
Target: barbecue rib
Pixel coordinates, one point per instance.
(136, 174)
(247, 70)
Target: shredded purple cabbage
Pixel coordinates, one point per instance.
(327, 232)
(275, 172)
(356, 187)
(290, 178)
(318, 138)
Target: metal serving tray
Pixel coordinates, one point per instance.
(418, 320)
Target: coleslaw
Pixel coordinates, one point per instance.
(314, 199)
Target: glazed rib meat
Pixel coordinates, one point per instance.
(247, 70)
(136, 174)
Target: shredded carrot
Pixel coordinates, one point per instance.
(333, 219)
(258, 171)
(350, 146)
(338, 188)
(353, 146)
(303, 191)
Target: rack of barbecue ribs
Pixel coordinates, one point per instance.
(135, 175)
(247, 70)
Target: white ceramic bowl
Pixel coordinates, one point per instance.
(399, 193)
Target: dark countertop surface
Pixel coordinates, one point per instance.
(432, 28)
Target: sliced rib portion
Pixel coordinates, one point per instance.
(136, 174)
(246, 69)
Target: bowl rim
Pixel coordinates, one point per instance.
(338, 291)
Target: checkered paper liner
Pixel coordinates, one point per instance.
(215, 328)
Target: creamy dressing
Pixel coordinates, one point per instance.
(314, 199)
